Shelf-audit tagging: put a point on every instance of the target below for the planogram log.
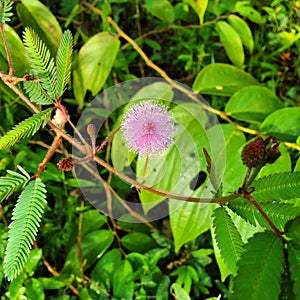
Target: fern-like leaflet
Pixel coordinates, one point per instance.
(26, 128)
(279, 213)
(9, 185)
(228, 238)
(22, 231)
(5, 10)
(42, 63)
(280, 186)
(63, 62)
(36, 92)
(259, 267)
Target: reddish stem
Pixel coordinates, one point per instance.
(266, 217)
(11, 69)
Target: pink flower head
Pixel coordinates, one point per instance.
(147, 128)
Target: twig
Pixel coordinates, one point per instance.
(42, 166)
(53, 271)
(111, 218)
(11, 69)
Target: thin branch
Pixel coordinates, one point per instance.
(53, 271)
(265, 216)
(11, 69)
(55, 145)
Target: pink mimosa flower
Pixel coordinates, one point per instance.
(147, 128)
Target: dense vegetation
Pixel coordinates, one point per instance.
(213, 213)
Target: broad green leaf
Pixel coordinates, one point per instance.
(36, 15)
(18, 57)
(283, 124)
(94, 62)
(188, 220)
(292, 230)
(156, 91)
(103, 272)
(123, 284)
(294, 265)
(161, 9)
(280, 186)
(200, 7)
(260, 268)
(234, 170)
(92, 220)
(249, 12)
(222, 79)
(138, 242)
(228, 238)
(252, 104)
(120, 156)
(232, 43)
(93, 245)
(243, 30)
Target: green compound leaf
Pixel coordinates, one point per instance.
(41, 62)
(294, 264)
(281, 186)
(279, 213)
(228, 238)
(5, 10)
(9, 185)
(260, 269)
(63, 62)
(26, 128)
(22, 231)
(36, 92)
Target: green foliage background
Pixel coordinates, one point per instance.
(243, 56)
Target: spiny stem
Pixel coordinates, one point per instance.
(11, 69)
(106, 140)
(265, 216)
(42, 166)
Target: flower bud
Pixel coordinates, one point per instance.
(65, 164)
(253, 153)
